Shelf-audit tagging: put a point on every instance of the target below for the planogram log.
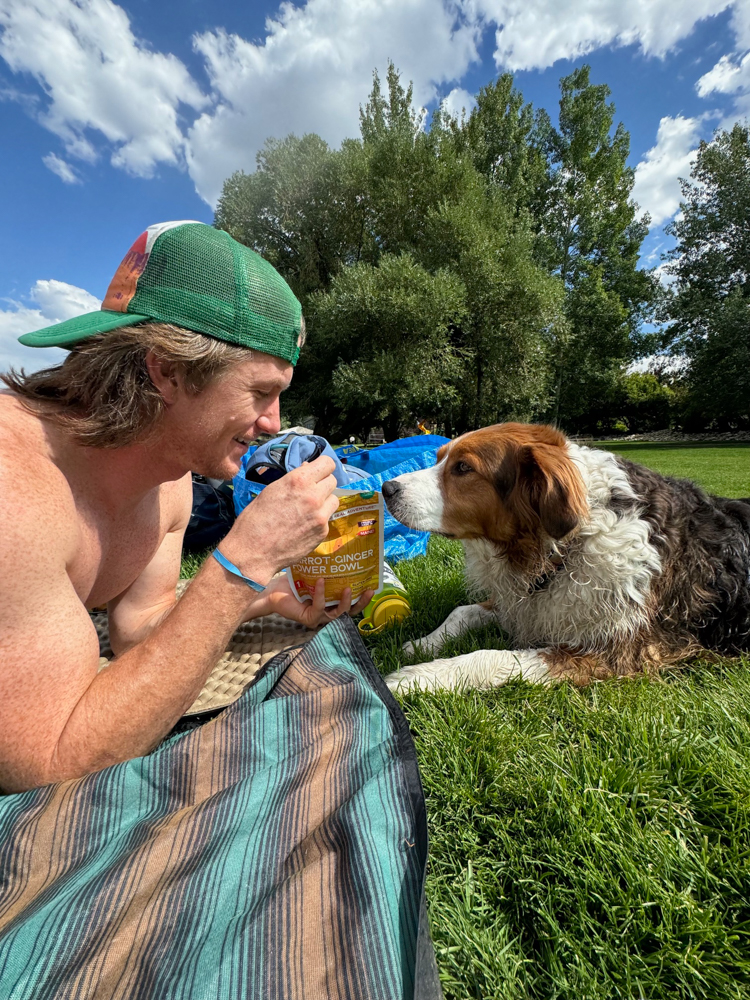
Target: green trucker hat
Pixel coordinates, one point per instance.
(198, 277)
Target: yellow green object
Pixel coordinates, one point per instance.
(388, 606)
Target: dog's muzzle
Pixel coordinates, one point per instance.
(391, 489)
(414, 499)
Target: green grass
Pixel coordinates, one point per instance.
(585, 844)
(723, 469)
(191, 563)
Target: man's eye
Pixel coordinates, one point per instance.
(461, 468)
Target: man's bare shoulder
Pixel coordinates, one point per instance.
(177, 500)
(33, 491)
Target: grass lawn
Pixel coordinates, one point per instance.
(723, 469)
(586, 844)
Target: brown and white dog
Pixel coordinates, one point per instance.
(596, 567)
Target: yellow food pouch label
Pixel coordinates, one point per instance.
(351, 555)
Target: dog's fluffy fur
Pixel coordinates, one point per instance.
(597, 567)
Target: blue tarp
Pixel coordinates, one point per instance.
(386, 456)
(399, 541)
(347, 449)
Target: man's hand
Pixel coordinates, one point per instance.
(278, 598)
(285, 522)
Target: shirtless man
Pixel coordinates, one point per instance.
(95, 495)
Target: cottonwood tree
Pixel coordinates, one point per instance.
(507, 142)
(512, 308)
(709, 308)
(528, 230)
(302, 209)
(383, 351)
(589, 235)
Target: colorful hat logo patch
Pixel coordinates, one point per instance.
(123, 285)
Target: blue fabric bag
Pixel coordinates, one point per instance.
(288, 451)
(399, 542)
(386, 456)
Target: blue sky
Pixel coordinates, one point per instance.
(116, 116)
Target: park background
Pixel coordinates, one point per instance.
(523, 248)
(480, 226)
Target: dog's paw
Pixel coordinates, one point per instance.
(400, 680)
(426, 645)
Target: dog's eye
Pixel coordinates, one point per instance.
(461, 468)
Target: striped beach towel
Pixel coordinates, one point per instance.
(276, 851)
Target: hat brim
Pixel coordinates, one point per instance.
(70, 331)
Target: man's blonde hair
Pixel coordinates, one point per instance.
(102, 391)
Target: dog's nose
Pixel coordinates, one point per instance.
(390, 488)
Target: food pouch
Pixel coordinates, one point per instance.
(351, 556)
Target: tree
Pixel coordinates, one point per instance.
(301, 209)
(410, 171)
(589, 236)
(718, 379)
(417, 280)
(383, 353)
(506, 140)
(709, 308)
(647, 403)
(428, 199)
(528, 231)
(512, 308)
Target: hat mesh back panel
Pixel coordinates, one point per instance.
(234, 295)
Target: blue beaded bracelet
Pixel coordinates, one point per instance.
(233, 569)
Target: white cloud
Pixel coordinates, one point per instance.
(55, 301)
(99, 79)
(730, 75)
(60, 167)
(313, 70)
(458, 101)
(59, 301)
(725, 78)
(104, 88)
(534, 34)
(657, 187)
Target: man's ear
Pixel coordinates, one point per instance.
(164, 376)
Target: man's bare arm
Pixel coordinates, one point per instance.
(59, 718)
(134, 614)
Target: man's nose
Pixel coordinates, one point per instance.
(269, 420)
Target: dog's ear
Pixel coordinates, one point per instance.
(507, 473)
(541, 480)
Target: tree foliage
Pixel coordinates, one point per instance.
(384, 340)
(590, 237)
(479, 270)
(710, 304)
(647, 404)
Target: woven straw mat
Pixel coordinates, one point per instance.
(251, 647)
